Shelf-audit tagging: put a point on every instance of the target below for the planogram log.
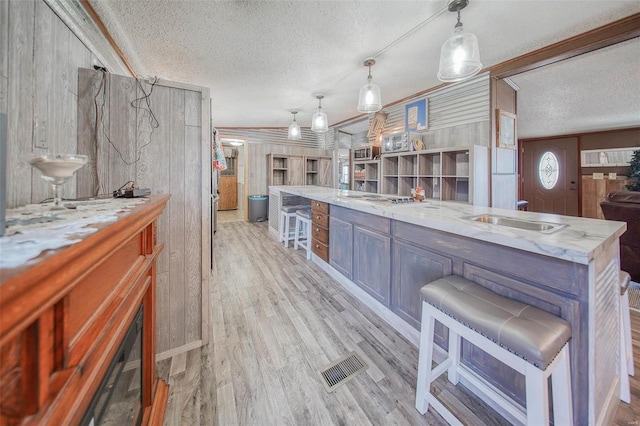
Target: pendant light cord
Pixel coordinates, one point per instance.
(388, 46)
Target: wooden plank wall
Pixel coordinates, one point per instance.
(39, 59)
(39, 62)
(167, 158)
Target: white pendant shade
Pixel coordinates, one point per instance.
(369, 99)
(319, 122)
(294, 129)
(459, 57)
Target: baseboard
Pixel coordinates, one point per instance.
(180, 349)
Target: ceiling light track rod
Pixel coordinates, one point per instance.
(410, 32)
(391, 44)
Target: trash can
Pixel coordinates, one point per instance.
(258, 208)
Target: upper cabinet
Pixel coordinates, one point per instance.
(318, 171)
(285, 169)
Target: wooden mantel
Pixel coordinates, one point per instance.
(64, 315)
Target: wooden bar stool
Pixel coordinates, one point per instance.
(527, 339)
(287, 227)
(302, 231)
(626, 347)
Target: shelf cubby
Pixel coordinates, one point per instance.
(443, 174)
(366, 175)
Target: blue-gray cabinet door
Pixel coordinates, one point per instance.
(341, 246)
(414, 267)
(372, 265)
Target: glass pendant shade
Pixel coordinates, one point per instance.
(369, 99)
(294, 129)
(459, 57)
(319, 122)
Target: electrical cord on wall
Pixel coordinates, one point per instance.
(153, 122)
(104, 195)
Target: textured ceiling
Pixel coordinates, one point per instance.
(262, 59)
(598, 90)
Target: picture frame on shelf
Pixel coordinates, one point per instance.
(506, 129)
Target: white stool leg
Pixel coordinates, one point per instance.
(299, 229)
(307, 232)
(625, 386)
(287, 230)
(537, 396)
(626, 324)
(425, 359)
(454, 355)
(561, 389)
(282, 216)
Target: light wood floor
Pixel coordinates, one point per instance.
(230, 216)
(276, 320)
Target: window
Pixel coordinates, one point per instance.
(548, 170)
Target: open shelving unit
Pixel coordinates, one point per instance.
(318, 171)
(286, 169)
(444, 174)
(366, 176)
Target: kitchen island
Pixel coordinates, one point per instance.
(384, 252)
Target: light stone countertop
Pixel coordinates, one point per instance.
(580, 241)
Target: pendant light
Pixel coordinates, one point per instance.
(459, 56)
(319, 122)
(294, 128)
(369, 99)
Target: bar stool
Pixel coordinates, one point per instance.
(302, 231)
(286, 227)
(626, 347)
(529, 340)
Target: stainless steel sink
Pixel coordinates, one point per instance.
(529, 225)
(351, 196)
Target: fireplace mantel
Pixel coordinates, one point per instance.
(64, 314)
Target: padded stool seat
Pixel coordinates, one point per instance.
(302, 231)
(287, 227)
(626, 346)
(529, 340)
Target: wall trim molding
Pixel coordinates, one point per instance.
(607, 35)
(81, 23)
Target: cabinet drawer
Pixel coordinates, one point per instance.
(319, 207)
(320, 249)
(319, 219)
(321, 234)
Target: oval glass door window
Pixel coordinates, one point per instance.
(548, 170)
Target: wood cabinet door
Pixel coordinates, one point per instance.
(341, 246)
(325, 172)
(296, 171)
(414, 267)
(372, 266)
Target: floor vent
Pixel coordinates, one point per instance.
(341, 371)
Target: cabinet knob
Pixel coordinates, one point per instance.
(317, 229)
